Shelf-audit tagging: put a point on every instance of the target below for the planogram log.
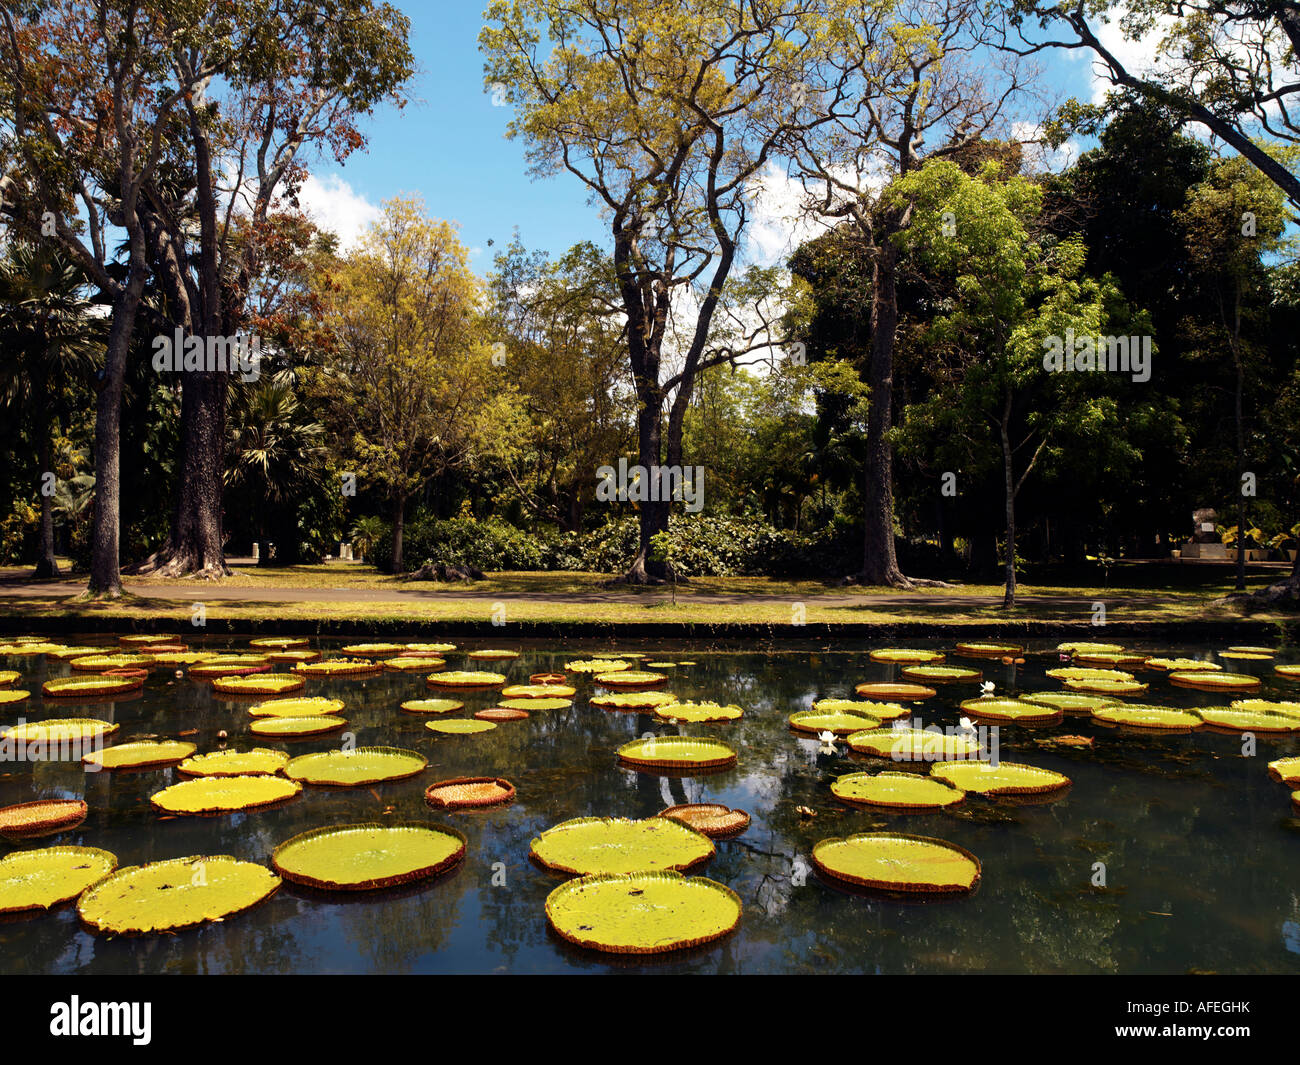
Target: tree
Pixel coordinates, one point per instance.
(51, 340)
(1232, 221)
(667, 111)
(1015, 295)
(926, 78)
(414, 377)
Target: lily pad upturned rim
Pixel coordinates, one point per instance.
(630, 752)
(460, 726)
(285, 790)
(1204, 680)
(441, 802)
(19, 857)
(905, 656)
(597, 881)
(310, 706)
(60, 814)
(902, 886)
(952, 773)
(837, 722)
(1290, 671)
(1149, 718)
(1226, 719)
(88, 897)
(954, 796)
(1108, 687)
(292, 727)
(702, 712)
(424, 706)
(1004, 709)
(988, 649)
(187, 767)
(258, 684)
(325, 780)
(426, 872)
(939, 674)
(898, 692)
(705, 849)
(30, 731)
(693, 815)
(465, 678)
(338, 667)
(1285, 770)
(116, 757)
(89, 686)
(630, 679)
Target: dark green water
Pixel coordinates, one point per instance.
(1202, 852)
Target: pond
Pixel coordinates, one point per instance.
(1200, 847)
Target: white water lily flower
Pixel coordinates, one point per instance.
(967, 725)
(828, 742)
(986, 689)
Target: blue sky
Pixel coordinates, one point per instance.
(448, 146)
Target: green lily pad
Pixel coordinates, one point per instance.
(89, 687)
(1148, 717)
(356, 767)
(942, 674)
(60, 730)
(864, 707)
(310, 707)
(368, 857)
(296, 726)
(338, 667)
(677, 752)
(208, 795)
(1005, 778)
(139, 754)
(588, 845)
(631, 678)
(1069, 701)
(913, 745)
(698, 712)
(1012, 710)
(465, 679)
(632, 700)
(1286, 770)
(900, 791)
(905, 655)
(171, 895)
(838, 723)
(260, 761)
(432, 706)
(42, 879)
(535, 704)
(459, 726)
(1215, 682)
(642, 913)
(257, 684)
(1268, 706)
(1247, 720)
(893, 861)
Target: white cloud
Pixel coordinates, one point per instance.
(333, 204)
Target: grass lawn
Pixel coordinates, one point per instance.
(357, 593)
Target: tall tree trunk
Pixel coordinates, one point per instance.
(879, 561)
(652, 517)
(1009, 593)
(46, 564)
(198, 530)
(399, 530)
(105, 533)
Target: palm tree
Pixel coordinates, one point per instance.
(51, 339)
(277, 455)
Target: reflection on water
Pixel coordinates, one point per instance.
(1201, 851)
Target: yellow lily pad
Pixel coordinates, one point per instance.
(44, 878)
(588, 845)
(207, 795)
(538, 691)
(913, 744)
(677, 752)
(459, 678)
(894, 861)
(356, 767)
(288, 727)
(632, 700)
(368, 857)
(317, 706)
(942, 674)
(905, 655)
(642, 913)
(229, 666)
(1069, 701)
(841, 723)
(459, 726)
(597, 665)
(172, 895)
(1247, 720)
(89, 687)
(432, 706)
(1286, 770)
(1215, 682)
(1148, 717)
(61, 729)
(894, 790)
(103, 663)
(698, 712)
(1025, 713)
(535, 704)
(864, 707)
(139, 754)
(260, 761)
(338, 667)
(631, 678)
(266, 684)
(1103, 686)
(1005, 778)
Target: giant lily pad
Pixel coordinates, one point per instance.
(293, 656)
(172, 659)
(975, 649)
(1015, 710)
(373, 650)
(1148, 717)
(1269, 706)
(459, 678)
(212, 795)
(65, 653)
(356, 767)
(1088, 673)
(230, 666)
(1215, 682)
(458, 726)
(316, 706)
(462, 793)
(1112, 659)
(1005, 778)
(1247, 656)
(89, 687)
(22, 649)
(536, 704)
(588, 845)
(642, 913)
(103, 663)
(367, 857)
(1069, 701)
(1182, 665)
(14, 695)
(257, 685)
(677, 752)
(597, 665)
(841, 723)
(894, 790)
(493, 654)
(260, 761)
(1103, 686)
(42, 879)
(632, 701)
(942, 674)
(175, 894)
(140, 754)
(889, 691)
(41, 818)
(1089, 647)
(712, 819)
(1286, 770)
(429, 648)
(294, 727)
(413, 664)
(631, 678)
(864, 707)
(278, 643)
(1290, 672)
(913, 744)
(60, 730)
(144, 639)
(894, 861)
(338, 667)
(1247, 720)
(432, 706)
(698, 712)
(8, 676)
(905, 656)
(538, 691)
